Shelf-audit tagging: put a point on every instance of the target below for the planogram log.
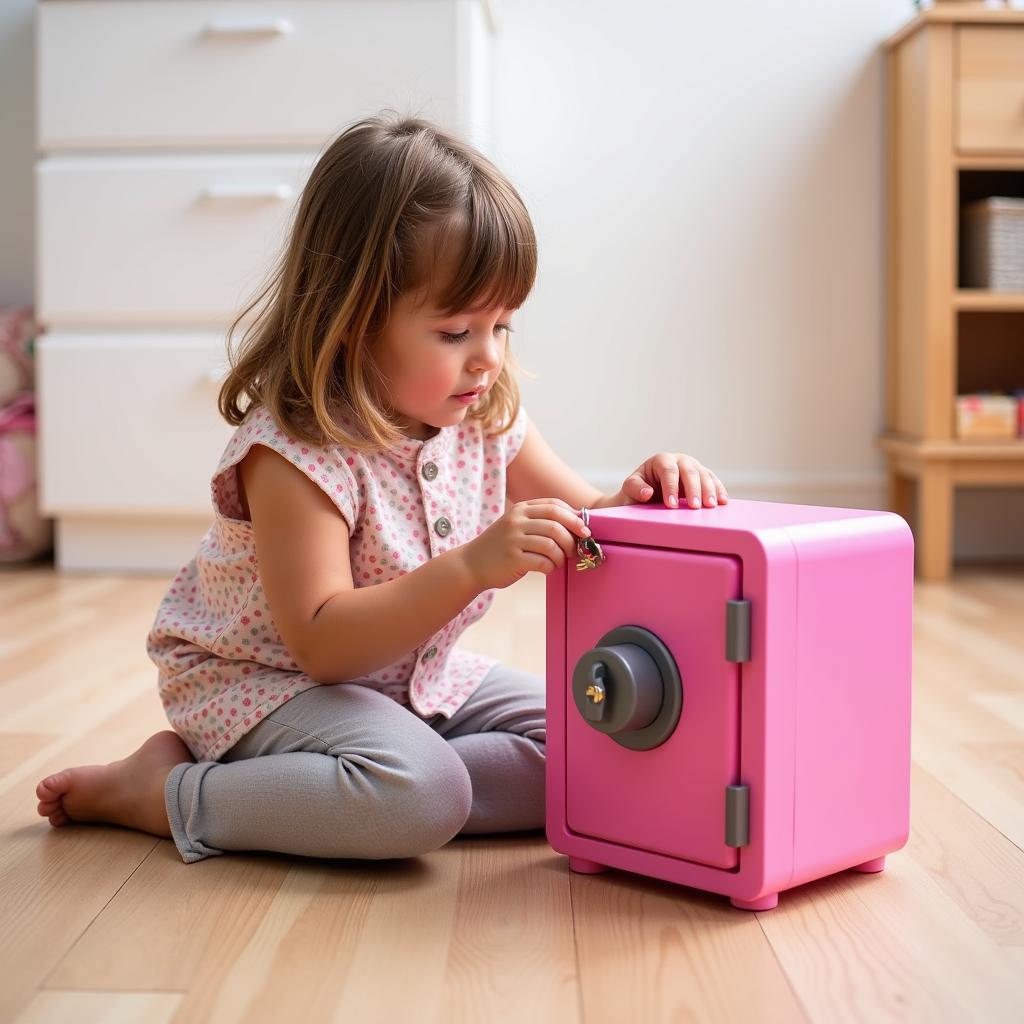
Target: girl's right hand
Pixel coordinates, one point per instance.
(532, 536)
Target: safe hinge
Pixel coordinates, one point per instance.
(737, 815)
(737, 631)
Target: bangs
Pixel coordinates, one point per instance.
(497, 252)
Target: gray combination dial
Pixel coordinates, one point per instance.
(628, 686)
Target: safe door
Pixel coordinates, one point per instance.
(652, 703)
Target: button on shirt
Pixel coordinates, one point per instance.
(222, 664)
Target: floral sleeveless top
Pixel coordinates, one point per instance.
(223, 666)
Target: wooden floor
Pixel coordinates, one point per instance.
(99, 923)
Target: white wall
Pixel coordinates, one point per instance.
(707, 181)
(708, 189)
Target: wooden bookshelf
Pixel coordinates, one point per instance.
(955, 101)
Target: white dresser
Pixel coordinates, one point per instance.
(174, 137)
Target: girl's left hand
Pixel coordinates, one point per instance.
(662, 473)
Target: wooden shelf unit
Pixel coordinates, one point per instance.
(955, 100)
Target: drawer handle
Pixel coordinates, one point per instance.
(249, 27)
(239, 191)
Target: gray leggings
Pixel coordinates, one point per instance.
(344, 771)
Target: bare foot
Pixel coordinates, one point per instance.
(128, 792)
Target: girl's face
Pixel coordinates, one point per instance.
(428, 359)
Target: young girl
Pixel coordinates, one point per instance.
(306, 654)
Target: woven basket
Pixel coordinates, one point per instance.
(993, 244)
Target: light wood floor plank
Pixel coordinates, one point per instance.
(51, 888)
(1007, 706)
(988, 776)
(653, 951)
(976, 866)
(890, 947)
(101, 1008)
(24, 586)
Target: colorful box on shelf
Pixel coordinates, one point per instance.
(728, 695)
(987, 416)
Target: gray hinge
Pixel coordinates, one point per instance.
(737, 631)
(737, 815)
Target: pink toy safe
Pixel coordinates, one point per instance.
(728, 695)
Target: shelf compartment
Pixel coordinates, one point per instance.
(990, 351)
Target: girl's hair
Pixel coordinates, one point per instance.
(358, 240)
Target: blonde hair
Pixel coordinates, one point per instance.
(356, 243)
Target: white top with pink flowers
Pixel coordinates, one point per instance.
(223, 665)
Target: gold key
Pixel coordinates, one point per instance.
(589, 551)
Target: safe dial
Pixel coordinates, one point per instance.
(628, 686)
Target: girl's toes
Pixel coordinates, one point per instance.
(51, 792)
(51, 787)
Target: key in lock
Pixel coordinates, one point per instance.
(589, 551)
(595, 693)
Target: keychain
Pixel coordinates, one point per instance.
(589, 551)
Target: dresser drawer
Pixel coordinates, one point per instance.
(129, 423)
(990, 88)
(143, 73)
(174, 240)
